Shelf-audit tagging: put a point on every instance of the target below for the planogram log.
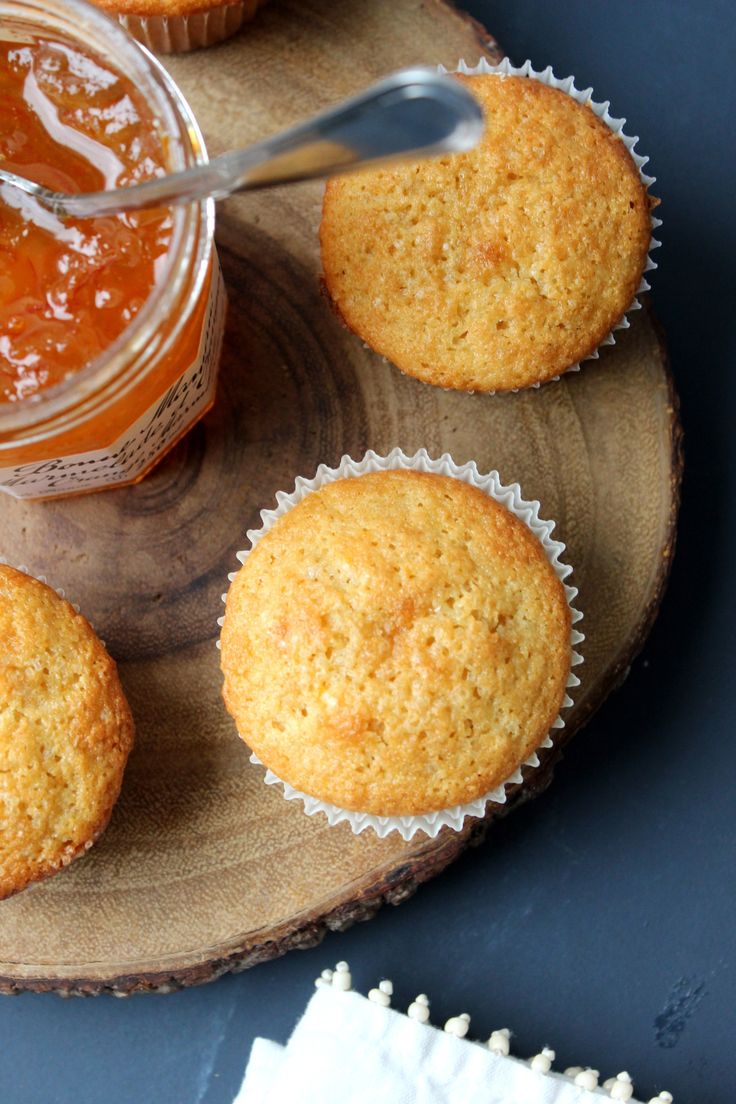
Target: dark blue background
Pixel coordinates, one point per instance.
(599, 919)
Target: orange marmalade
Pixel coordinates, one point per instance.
(68, 289)
(110, 328)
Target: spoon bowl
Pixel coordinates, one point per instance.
(413, 113)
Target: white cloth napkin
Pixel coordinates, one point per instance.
(348, 1050)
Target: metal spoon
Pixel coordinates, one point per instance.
(413, 113)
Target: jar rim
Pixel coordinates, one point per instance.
(66, 404)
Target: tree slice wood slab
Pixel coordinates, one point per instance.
(203, 868)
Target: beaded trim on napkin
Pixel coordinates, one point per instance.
(619, 1087)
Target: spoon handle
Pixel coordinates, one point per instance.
(415, 112)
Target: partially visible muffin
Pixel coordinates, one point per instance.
(497, 268)
(396, 644)
(65, 732)
(177, 26)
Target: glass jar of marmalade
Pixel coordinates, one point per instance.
(110, 329)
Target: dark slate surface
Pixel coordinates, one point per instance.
(600, 919)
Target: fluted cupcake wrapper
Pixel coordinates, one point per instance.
(509, 495)
(582, 96)
(177, 34)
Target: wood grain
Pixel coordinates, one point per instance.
(203, 868)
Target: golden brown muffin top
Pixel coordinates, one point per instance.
(501, 267)
(65, 732)
(396, 644)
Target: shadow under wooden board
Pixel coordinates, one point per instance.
(203, 868)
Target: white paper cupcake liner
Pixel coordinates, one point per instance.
(509, 495)
(177, 34)
(585, 97)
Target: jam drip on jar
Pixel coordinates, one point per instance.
(68, 289)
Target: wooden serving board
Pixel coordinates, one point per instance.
(203, 868)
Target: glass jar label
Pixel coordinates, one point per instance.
(137, 449)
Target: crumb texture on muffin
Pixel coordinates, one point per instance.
(397, 643)
(498, 268)
(65, 732)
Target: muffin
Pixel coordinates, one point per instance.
(499, 268)
(175, 26)
(396, 644)
(65, 732)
